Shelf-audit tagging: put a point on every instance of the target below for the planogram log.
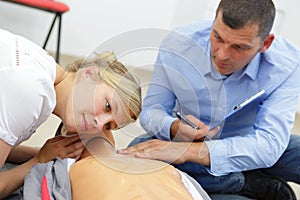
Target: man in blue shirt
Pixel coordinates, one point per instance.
(204, 70)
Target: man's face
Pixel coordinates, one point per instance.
(232, 50)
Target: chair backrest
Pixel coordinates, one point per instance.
(52, 6)
(47, 5)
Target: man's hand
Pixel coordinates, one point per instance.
(170, 152)
(181, 131)
(60, 146)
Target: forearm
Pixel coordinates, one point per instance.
(157, 122)
(245, 152)
(21, 154)
(158, 104)
(14, 178)
(198, 152)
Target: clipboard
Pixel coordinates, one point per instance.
(239, 107)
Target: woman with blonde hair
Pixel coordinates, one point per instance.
(90, 96)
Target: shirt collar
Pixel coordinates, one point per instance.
(253, 67)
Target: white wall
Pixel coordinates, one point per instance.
(286, 21)
(90, 23)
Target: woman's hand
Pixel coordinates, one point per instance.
(60, 146)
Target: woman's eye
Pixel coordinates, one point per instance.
(107, 106)
(107, 126)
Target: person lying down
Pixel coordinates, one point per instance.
(102, 173)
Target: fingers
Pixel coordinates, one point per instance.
(72, 154)
(70, 140)
(204, 131)
(142, 150)
(201, 133)
(186, 133)
(130, 150)
(143, 147)
(60, 146)
(55, 139)
(63, 140)
(71, 148)
(183, 132)
(214, 131)
(208, 135)
(152, 155)
(170, 152)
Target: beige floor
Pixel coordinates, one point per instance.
(122, 137)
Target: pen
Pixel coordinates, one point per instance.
(185, 120)
(258, 94)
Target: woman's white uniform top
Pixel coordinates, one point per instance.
(27, 95)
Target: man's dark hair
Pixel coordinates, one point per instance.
(239, 13)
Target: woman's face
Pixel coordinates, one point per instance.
(96, 107)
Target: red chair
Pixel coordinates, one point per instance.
(52, 6)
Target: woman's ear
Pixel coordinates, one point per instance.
(90, 72)
(267, 43)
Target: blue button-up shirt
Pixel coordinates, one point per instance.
(184, 79)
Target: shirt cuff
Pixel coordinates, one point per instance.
(164, 134)
(219, 164)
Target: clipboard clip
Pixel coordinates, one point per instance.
(250, 99)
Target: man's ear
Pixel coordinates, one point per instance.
(90, 72)
(267, 43)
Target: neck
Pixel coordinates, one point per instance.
(60, 78)
(100, 145)
(63, 88)
(60, 75)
